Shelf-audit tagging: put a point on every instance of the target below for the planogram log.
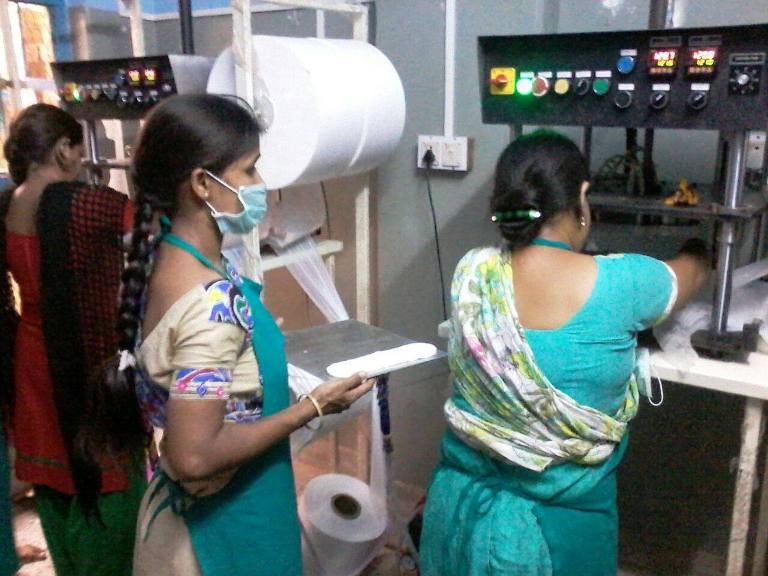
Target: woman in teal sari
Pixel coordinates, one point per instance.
(206, 357)
(543, 354)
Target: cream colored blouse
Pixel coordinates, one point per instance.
(201, 350)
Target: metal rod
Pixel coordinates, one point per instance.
(187, 27)
(93, 151)
(659, 12)
(734, 186)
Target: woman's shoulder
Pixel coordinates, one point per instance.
(200, 305)
(631, 264)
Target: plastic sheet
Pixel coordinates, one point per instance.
(309, 270)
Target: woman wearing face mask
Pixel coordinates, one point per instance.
(61, 242)
(206, 356)
(542, 353)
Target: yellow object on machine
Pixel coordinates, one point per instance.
(685, 195)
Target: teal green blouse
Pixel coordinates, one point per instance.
(592, 355)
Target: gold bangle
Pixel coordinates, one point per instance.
(314, 402)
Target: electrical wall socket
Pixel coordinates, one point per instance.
(451, 154)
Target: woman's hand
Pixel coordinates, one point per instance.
(336, 396)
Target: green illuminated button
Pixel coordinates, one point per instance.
(601, 86)
(525, 86)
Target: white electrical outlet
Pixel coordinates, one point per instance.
(451, 154)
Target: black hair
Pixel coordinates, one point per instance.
(181, 134)
(33, 135)
(9, 316)
(538, 178)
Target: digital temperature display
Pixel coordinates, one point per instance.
(701, 61)
(150, 76)
(662, 62)
(134, 77)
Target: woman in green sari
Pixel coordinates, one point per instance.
(543, 354)
(205, 356)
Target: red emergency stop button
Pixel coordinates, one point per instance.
(502, 81)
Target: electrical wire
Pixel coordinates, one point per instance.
(327, 212)
(437, 242)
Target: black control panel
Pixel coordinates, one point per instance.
(126, 88)
(703, 78)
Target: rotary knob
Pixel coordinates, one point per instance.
(659, 100)
(122, 100)
(138, 100)
(582, 86)
(698, 100)
(623, 99)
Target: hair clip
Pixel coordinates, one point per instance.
(515, 215)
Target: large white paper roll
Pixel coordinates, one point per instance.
(332, 107)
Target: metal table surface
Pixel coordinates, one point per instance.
(314, 349)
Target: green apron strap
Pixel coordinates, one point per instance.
(171, 238)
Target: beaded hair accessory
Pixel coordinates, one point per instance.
(515, 216)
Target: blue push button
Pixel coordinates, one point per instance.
(625, 65)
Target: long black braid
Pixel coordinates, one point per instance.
(9, 317)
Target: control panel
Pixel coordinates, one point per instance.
(704, 78)
(127, 88)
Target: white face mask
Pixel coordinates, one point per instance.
(253, 197)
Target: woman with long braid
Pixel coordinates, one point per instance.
(61, 241)
(206, 356)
